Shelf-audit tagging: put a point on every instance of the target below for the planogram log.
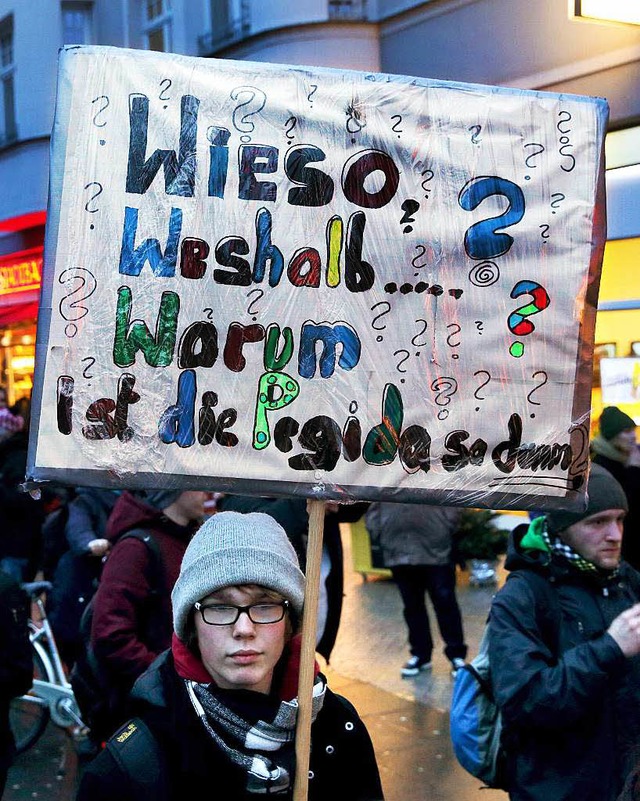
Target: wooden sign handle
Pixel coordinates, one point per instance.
(308, 649)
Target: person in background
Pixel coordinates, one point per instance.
(76, 576)
(417, 543)
(16, 662)
(9, 422)
(131, 622)
(22, 515)
(615, 448)
(220, 707)
(565, 657)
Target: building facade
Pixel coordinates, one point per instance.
(533, 45)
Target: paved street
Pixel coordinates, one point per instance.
(407, 718)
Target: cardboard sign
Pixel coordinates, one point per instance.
(288, 280)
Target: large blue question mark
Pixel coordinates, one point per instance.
(481, 240)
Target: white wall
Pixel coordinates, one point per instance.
(270, 14)
(342, 46)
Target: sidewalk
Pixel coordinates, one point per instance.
(408, 718)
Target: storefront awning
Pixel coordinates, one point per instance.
(17, 312)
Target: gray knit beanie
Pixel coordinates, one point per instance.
(233, 548)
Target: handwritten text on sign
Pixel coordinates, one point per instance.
(279, 279)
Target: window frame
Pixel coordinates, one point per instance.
(85, 8)
(8, 121)
(161, 22)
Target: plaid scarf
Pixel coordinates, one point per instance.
(245, 743)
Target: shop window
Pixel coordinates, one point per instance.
(17, 352)
(8, 129)
(617, 334)
(76, 23)
(157, 28)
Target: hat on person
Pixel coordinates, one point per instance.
(603, 492)
(613, 421)
(231, 548)
(161, 499)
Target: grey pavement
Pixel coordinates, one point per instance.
(407, 718)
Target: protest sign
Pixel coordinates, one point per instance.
(292, 280)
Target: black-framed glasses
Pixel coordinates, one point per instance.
(228, 614)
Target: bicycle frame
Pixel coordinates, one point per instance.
(56, 692)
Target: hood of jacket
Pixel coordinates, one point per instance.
(533, 554)
(132, 512)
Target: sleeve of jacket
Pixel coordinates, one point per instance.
(104, 780)
(79, 530)
(120, 601)
(532, 687)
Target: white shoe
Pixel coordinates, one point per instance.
(456, 664)
(413, 666)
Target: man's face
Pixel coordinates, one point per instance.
(190, 504)
(625, 441)
(242, 655)
(598, 538)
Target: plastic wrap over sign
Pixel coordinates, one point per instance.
(288, 280)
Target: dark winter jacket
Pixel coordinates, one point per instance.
(16, 659)
(22, 515)
(77, 573)
(413, 534)
(342, 762)
(88, 515)
(122, 602)
(569, 697)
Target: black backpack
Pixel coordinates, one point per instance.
(103, 704)
(16, 656)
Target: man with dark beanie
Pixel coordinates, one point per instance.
(565, 652)
(615, 448)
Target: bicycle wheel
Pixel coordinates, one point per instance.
(29, 715)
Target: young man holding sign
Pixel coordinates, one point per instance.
(221, 706)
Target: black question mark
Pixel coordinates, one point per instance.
(91, 361)
(100, 110)
(484, 384)
(537, 387)
(165, 89)
(425, 325)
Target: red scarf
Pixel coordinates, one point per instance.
(189, 666)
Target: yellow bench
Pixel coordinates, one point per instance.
(361, 553)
